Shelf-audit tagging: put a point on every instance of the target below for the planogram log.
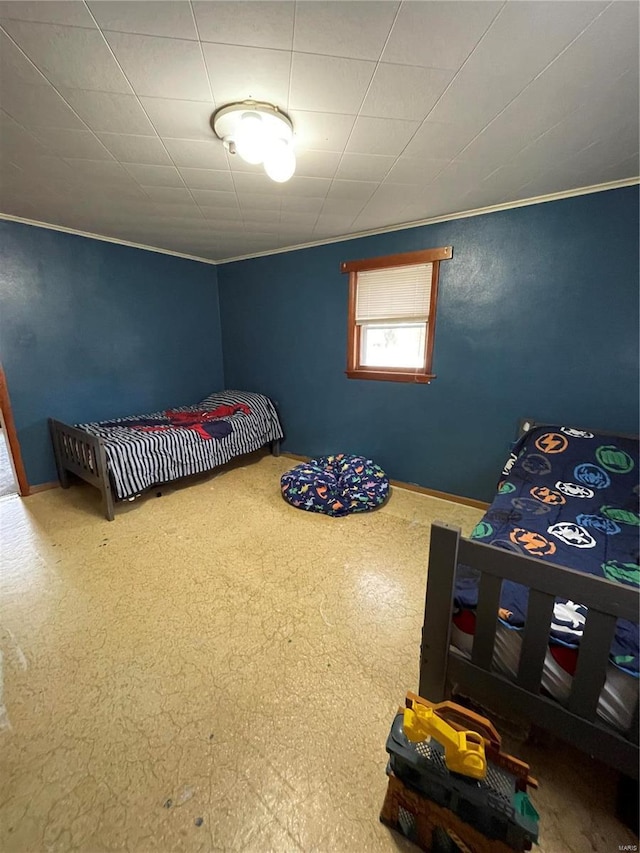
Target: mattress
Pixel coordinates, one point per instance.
(618, 695)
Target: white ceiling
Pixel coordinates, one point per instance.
(402, 112)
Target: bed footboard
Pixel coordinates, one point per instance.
(577, 722)
(82, 454)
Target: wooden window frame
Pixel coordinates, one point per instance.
(356, 370)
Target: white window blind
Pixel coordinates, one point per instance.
(394, 293)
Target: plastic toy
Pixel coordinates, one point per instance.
(438, 795)
(463, 750)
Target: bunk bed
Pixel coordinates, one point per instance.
(537, 613)
(127, 456)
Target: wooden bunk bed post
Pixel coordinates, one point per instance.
(436, 630)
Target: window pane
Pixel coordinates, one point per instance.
(399, 345)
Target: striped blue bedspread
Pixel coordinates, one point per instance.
(138, 459)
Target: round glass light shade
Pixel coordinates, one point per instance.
(250, 138)
(280, 161)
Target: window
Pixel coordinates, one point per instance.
(392, 315)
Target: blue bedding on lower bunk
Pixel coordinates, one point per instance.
(571, 497)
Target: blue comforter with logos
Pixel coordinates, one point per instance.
(570, 497)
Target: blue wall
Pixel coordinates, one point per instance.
(537, 316)
(93, 330)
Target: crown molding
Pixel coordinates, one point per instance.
(51, 227)
(449, 217)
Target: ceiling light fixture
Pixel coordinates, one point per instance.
(259, 133)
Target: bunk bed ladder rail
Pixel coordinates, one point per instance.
(606, 602)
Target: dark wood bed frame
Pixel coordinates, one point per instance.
(82, 453)
(443, 667)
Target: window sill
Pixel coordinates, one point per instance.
(391, 376)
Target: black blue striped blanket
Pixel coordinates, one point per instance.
(138, 459)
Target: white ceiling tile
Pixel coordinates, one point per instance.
(496, 145)
(259, 183)
(438, 34)
(328, 84)
(188, 210)
(11, 179)
(39, 106)
(155, 176)
(298, 219)
(171, 18)
(362, 167)
(69, 56)
(99, 170)
(239, 73)
(372, 219)
(15, 67)
(255, 215)
(380, 135)
(316, 164)
(307, 187)
(291, 204)
(601, 55)
(258, 201)
(237, 164)
(342, 206)
(18, 205)
(44, 172)
(415, 170)
(168, 195)
(439, 140)
(215, 198)
(360, 190)
(389, 193)
(223, 218)
(180, 119)
(500, 132)
(73, 143)
(197, 154)
(109, 112)
(593, 121)
(256, 24)
(136, 149)
(207, 179)
(166, 68)
(16, 142)
(332, 226)
(619, 171)
(404, 91)
(525, 37)
(321, 131)
(343, 28)
(294, 235)
(69, 13)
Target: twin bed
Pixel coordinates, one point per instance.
(537, 613)
(124, 457)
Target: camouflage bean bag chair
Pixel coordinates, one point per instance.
(335, 485)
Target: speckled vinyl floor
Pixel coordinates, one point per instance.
(216, 671)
